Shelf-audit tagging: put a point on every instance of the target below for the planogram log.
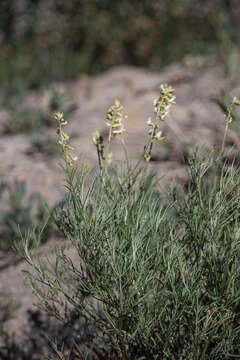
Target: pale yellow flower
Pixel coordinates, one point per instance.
(236, 101)
(109, 158)
(162, 106)
(95, 137)
(159, 136)
(163, 103)
(114, 120)
(63, 139)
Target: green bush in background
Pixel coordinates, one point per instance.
(62, 39)
(21, 215)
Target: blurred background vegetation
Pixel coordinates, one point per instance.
(43, 41)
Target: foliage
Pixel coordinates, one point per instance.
(60, 101)
(26, 120)
(44, 144)
(90, 36)
(7, 309)
(156, 275)
(32, 120)
(224, 102)
(21, 215)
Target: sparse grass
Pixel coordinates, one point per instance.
(7, 309)
(61, 102)
(32, 120)
(21, 215)
(27, 121)
(157, 274)
(44, 144)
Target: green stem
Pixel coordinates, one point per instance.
(141, 158)
(219, 158)
(99, 158)
(125, 153)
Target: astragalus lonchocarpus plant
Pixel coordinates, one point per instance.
(155, 278)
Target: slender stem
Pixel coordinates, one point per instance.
(141, 158)
(223, 141)
(125, 153)
(219, 158)
(99, 158)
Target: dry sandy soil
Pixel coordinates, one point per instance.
(196, 119)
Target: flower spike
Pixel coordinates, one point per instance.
(63, 139)
(114, 120)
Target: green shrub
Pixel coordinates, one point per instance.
(44, 144)
(8, 307)
(59, 101)
(21, 215)
(26, 120)
(32, 120)
(156, 275)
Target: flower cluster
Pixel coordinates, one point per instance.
(163, 103)
(63, 139)
(98, 142)
(115, 123)
(114, 120)
(161, 109)
(229, 112)
(158, 136)
(96, 138)
(236, 101)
